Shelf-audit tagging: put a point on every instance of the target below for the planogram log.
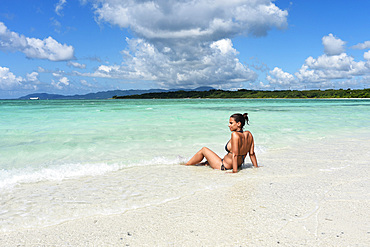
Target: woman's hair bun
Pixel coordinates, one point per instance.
(238, 117)
(245, 115)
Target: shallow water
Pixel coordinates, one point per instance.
(66, 159)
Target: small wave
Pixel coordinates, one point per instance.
(13, 177)
(56, 173)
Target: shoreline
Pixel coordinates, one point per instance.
(248, 98)
(293, 199)
(27, 100)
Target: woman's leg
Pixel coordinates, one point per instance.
(213, 160)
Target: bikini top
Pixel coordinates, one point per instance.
(227, 150)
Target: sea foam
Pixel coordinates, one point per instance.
(10, 178)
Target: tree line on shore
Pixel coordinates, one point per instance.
(254, 94)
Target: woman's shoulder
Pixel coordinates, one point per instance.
(247, 133)
(235, 134)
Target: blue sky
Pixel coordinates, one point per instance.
(82, 46)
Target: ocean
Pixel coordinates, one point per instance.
(67, 159)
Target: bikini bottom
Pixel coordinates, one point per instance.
(223, 168)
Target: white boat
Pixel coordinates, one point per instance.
(34, 98)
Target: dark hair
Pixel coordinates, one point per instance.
(241, 118)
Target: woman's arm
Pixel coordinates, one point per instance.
(252, 155)
(235, 139)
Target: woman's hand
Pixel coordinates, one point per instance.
(232, 171)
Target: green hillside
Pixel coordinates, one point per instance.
(253, 94)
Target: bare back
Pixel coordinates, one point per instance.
(244, 146)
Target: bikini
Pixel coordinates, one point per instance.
(223, 168)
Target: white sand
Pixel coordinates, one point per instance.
(319, 196)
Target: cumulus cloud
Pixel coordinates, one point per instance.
(143, 61)
(187, 43)
(279, 77)
(61, 83)
(47, 48)
(33, 77)
(325, 70)
(367, 55)
(341, 62)
(332, 67)
(9, 81)
(333, 45)
(362, 46)
(64, 80)
(158, 19)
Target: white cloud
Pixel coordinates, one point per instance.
(32, 77)
(367, 55)
(191, 19)
(279, 77)
(64, 81)
(326, 70)
(342, 65)
(76, 65)
(263, 85)
(108, 69)
(47, 48)
(341, 62)
(309, 76)
(8, 80)
(187, 43)
(59, 7)
(216, 64)
(224, 46)
(362, 46)
(333, 45)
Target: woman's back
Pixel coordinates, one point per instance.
(245, 141)
(248, 142)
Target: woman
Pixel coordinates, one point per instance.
(240, 144)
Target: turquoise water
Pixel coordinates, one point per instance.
(88, 157)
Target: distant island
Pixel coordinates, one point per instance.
(253, 94)
(105, 94)
(98, 95)
(204, 92)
